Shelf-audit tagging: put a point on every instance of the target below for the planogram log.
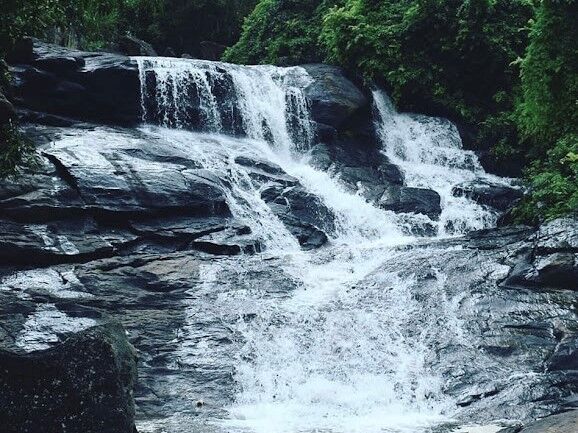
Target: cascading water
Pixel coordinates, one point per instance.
(261, 102)
(328, 352)
(429, 151)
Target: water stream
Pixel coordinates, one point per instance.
(337, 348)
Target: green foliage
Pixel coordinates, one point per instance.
(183, 24)
(548, 112)
(553, 182)
(453, 57)
(99, 23)
(15, 151)
(22, 17)
(281, 31)
(550, 74)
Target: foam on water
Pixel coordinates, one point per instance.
(261, 102)
(429, 151)
(332, 355)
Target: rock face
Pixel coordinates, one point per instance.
(333, 98)
(416, 200)
(90, 86)
(502, 330)
(131, 46)
(305, 215)
(497, 196)
(552, 259)
(562, 423)
(84, 383)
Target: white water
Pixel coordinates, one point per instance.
(332, 355)
(429, 151)
(268, 100)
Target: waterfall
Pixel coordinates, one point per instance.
(260, 102)
(429, 151)
(322, 343)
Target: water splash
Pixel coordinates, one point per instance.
(337, 347)
(429, 151)
(261, 102)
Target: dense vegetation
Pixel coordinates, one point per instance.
(505, 69)
(547, 114)
(96, 24)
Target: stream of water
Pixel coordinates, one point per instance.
(333, 353)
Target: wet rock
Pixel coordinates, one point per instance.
(358, 165)
(131, 46)
(211, 50)
(229, 242)
(91, 86)
(500, 197)
(145, 176)
(552, 260)
(503, 333)
(558, 236)
(263, 171)
(332, 97)
(303, 213)
(38, 193)
(44, 118)
(411, 200)
(102, 192)
(562, 423)
(565, 357)
(60, 241)
(84, 383)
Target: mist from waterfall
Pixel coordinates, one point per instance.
(335, 353)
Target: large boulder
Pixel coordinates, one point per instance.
(90, 86)
(411, 200)
(82, 384)
(498, 196)
(131, 46)
(332, 97)
(552, 260)
(304, 215)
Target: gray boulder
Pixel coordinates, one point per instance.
(131, 46)
(500, 197)
(83, 384)
(332, 97)
(411, 200)
(303, 214)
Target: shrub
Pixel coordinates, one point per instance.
(15, 151)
